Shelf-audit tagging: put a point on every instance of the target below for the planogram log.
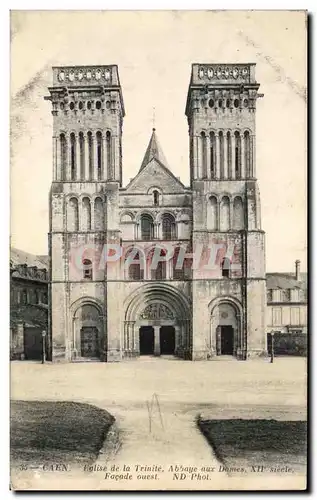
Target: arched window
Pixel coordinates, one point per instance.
(157, 269)
(73, 156)
(86, 214)
(90, 156)
(179, 265)
(156, 198)
(204, 154)
(147, 227)
(221, 154)
(82, 155)
(72, 215)
(98, 214)
(238, 213)
(225, 267)
(212, 155)
(168, 227)
(99, 155)
(247, 154)
(63, 146)
(109, 163)
(24, 296)
(87, 269)
(212, 213)
(225, 214)
(229, 155)
(237, 155)
(134, 265)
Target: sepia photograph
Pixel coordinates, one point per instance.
(158, 250)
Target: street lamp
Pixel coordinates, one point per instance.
(272, 346)
(43, 346)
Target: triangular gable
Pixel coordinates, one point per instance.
(155, 174)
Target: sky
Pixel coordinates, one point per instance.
(154, 52)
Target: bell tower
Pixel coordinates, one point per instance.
(221, 111)
(88, 111)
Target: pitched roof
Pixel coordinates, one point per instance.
(153, 150)
(20, 257)
(285, 281)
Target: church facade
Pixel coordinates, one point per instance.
(155, 267)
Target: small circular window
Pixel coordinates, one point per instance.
(80, 105)
(228, 103)
(211, 103)
(236, 103)
(98, 105)
(245, 102)
(88, 105)
(72, 106)
(220, 103)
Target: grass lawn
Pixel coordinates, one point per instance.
(54, 432)
(245, 443)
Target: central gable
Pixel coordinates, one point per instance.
(155, 174)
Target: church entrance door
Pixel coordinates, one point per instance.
(146, 340)
(89, 342)
(227, 340)
(167, 340)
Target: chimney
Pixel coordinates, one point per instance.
(297, 269)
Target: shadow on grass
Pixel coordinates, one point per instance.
(44, 431)
(271, 443)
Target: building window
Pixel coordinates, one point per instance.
(225, 268)
(44, 298)
(156, 198)
(99, 155)
(168, 227)
(269, 295)
(157, 269)
(90, 156)
(87, 269)
(204, 154)
(285, 295)
(212, 155)
(109, 165)
(73, 156)
(135, 270)
(24, 297)
(63, 151)
(147, 227)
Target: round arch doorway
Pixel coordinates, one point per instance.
(226, 328)
(157, 322)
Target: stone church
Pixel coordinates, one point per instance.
(155, 267)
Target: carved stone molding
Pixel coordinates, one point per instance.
(156, 311)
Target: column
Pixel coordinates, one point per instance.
(55, 159)
(217, 156)
(208, 171)
(242, 139)
(178, 339)
(86, 159)
(233, 156)
(225, 155)
(157, 347)
(77, 159)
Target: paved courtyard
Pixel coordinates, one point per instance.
(155, 403)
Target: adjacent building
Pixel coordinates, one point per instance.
(28, 304)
